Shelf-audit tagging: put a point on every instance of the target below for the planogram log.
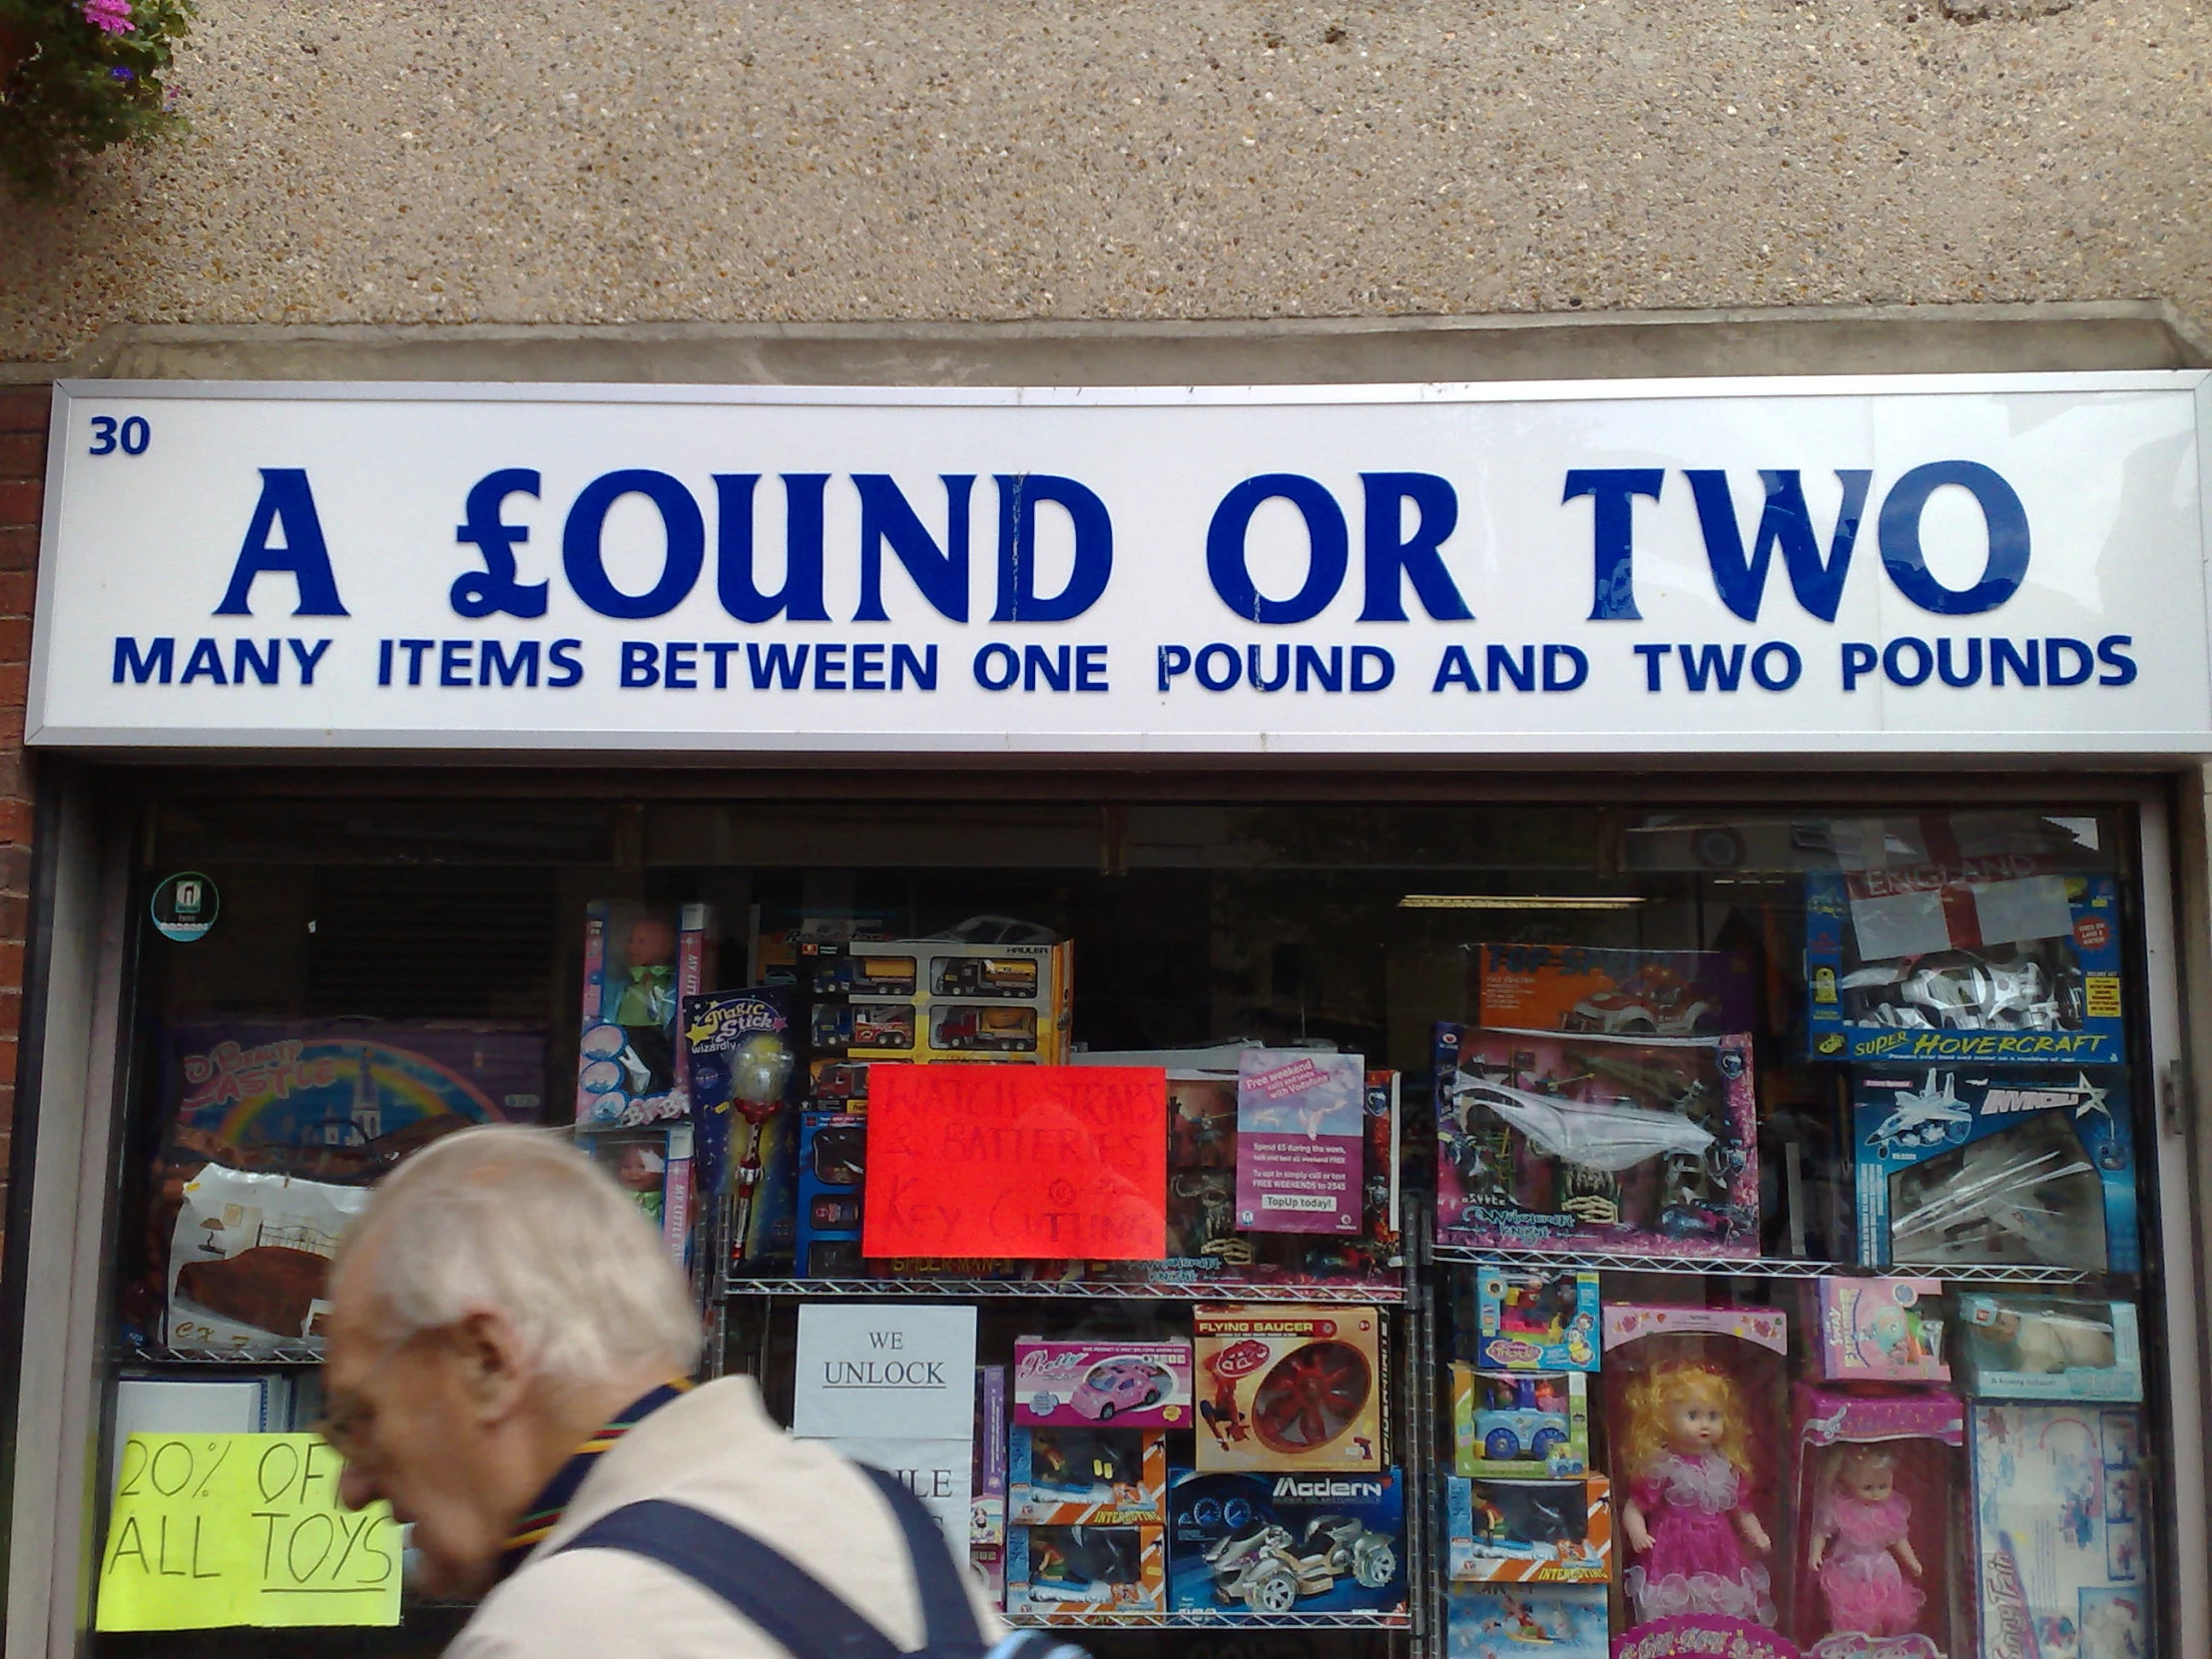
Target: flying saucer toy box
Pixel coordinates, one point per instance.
(1992, 959)
(1086, 1476)
(1528, 1531)
(1879, 1330)
(1513, 1621)
(1079, 1385)
(2017, 1344)
(2062, 1534)
(1996, 1165)
(1549, 1140)
(1632, 993)
(1536, 1319)
(1287, 1543)
(1069, 1574)
(640, 962)
(1295, 1387)
(1519, 1422)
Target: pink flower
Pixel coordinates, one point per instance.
(110, 16)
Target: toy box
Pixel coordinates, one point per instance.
(1540, 1532)
(1538, 1319)
(1879, 1330)
(738, 1055)
(2028, 1167)
(2061, 1531)
(1287, 1543)
(988, 1478)
(1963, 959)
(1072, 1574)
(654, 1166)
(1615, 993)
(640, 962)
(1078, 1384)
(2016, 1345)
(1551, 1142)
(1086, 1476)
(249, 1260)
(1290, 1388)
(1517, 1621)
(1518, 1422)
(1879, 1482)
(832, 1164)
(940, 999)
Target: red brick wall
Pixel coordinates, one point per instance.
(23, 412)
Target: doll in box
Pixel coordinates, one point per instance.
(1861, 1555)
(646, 1002)
(1688, 1462)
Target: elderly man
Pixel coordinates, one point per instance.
(508, 1353)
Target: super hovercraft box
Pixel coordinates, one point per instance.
(1996, 1165)
(1552, 1141)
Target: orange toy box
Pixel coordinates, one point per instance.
(1290, 1388)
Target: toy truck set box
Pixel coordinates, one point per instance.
(940, 999)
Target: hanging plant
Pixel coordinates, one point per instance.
(79, 75)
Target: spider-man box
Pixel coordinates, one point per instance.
(1287, 1543)
(1553, 1141)
(1290, 1388)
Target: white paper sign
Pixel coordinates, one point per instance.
(939, 1472)
(885, 1371)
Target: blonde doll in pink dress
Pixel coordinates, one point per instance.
(1689, 1460)
(1859, 1552)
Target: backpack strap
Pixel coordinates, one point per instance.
(805, 1618)
(948, 1618)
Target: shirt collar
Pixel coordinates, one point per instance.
(553, 1499)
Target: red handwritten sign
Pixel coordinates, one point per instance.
(1050, 1163)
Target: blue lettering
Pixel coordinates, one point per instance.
(1174, 660)
(285, 499)
(680, 665)
(801, 595)
(1893, 656)
(480, 594)
(922, 668)
(158, 662)
(454, 666)
(1703, 664)
(1554, 680)
(491, 661)
(830, 667)
(1049, 665)
(561, 654)
(414, 650)
(1328, 675)
(719, 650)
(307, 659)
(2079, 654)
(1953, 676)
(2004, 654)
(245, 659)
(986, 672)
(1654, 657)
(787, 665)
(1018, 496)
(1522, 671)
(1455, 670)
(641, 664)
(1772, 679)
(1859, 660)
(2117, 660)
(1900, 533)
(1282, 667)
(1613, 493)
(1391, 559)
(939, 574)
(1327, 550)
(868, 667)
(685, 554)
(206, 662)
(384, 662)
(1090, 668)
(1742, 581)
(1219, 679)
(1373, 668)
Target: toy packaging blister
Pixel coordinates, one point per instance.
(1297, 1387)
(1081, 1383)
(2061, 1531)
(1536, 1319)
(988, 1479)
(654, 1166)
(1693, 1416)
(1518, 1621)
(1552, 1142)
(250, 1261)
(1086, 1476)
(2036, 1168)
(1518, 1422)
(738, 1055)
(1070, 1574)
(1528, 1531)
(2017, 1344)
(1879, 1329)
(1879, 1483)
(1615, 993)
(832, 1164)
(1951, 959)
(1287, 1543)
(640, 962)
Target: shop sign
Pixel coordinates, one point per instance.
(1923, 566)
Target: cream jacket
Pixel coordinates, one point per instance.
(717, 1450)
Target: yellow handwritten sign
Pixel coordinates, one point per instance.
(211, 1531)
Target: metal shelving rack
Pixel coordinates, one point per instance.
(1226, 1618)
(1759, 1266)
(1370, 1294)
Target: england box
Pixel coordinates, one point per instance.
(1287, 1543)
(1996, 1165)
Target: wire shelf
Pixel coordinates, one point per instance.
(1762, 1267)
(283, 1354)
(1207, 1619)
(1368, 1292)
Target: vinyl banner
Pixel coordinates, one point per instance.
(1875, 567)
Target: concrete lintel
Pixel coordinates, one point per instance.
(2113, 334)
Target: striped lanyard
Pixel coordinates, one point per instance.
(552, 1502)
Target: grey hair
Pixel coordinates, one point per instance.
(521, 1221)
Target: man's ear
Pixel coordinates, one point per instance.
(494, 1370)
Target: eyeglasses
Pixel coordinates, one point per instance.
(344, 1423)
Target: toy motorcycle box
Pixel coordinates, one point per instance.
(1963, 959)
(1554, 1142)
(1518, 1422)
(1081, 1383)
(1297, 1387)
(1538, 1319)
(2020, 1345)
(1615, 993)
(1086, 1476)
(1073, 1574)
(1518, 1621)
(1528, 1530)
(1996, 1165)
(1879, 1330)
(1287, 1543)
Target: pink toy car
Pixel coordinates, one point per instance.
(1119, 1386)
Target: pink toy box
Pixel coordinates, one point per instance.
(1079, 1385)
(1879, 1330)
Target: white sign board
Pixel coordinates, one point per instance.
(1880, 567)
(875, 1371)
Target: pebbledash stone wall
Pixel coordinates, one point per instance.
(23, 414)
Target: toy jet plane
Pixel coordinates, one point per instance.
(1923, 1116)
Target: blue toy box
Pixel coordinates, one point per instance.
(1536, 1319)
(1519, 1422)
(1993, 961)
(2019, 1344)
(1287, 1543)
(833, 1162)
(1525, 1621)
(2035, 1168)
